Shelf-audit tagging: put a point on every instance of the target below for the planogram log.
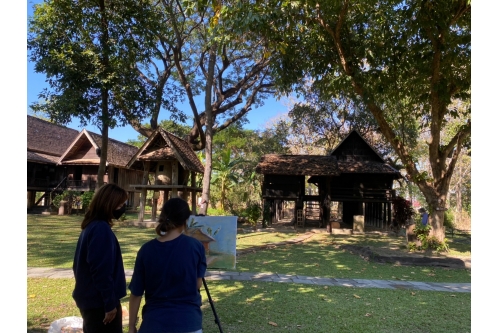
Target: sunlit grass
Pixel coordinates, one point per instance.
(246, 307)
(249, 239)
(321, 257)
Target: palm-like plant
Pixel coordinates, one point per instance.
(224, 173)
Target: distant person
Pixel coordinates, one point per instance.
(98, 263)
(168, 271)
(425, 215)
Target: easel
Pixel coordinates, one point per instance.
(217, 321)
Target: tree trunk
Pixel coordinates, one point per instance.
(207, 176)
(104, 151)
(104, 42)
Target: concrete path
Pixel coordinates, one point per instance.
(284, 278)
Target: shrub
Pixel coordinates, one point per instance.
(448, 219)
(427, 242)
(86, 198)
(216, 212)
(403, 210)
(412, 246)
(252, 212)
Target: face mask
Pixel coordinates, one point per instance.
(119, 212)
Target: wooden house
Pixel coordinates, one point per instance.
(46, 143)
(203, 237)
(60, 158)
(174, 165)
(285, 178)
(365, 183)
(354, 175)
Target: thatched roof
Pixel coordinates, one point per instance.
(42, 158)
(162, 145)
(300, 165)
(366, 167)
(83, 150)
(47, 139)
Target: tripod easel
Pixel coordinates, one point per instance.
(217, 321)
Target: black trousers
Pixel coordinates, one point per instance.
(92, 321)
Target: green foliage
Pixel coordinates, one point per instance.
(448, 219)
(412, 246)
(217, 212)
(428, 242)
(87, 59)
(252, 212)
(403, 210)
(70, 196)
(422, 231)
(86, 198)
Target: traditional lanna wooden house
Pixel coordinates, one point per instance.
(60, 158)
(364, 186)
(46, 143)
(81, 163)
(285, 178)
(174, 165)
(354, 175)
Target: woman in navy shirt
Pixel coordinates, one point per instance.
(168, 271)
(98, 264)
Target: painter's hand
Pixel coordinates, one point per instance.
(109, 316)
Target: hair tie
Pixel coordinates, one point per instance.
(163, 233)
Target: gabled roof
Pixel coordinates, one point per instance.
(199, 234)
(300, 165)
(341, 146)
(83, 150)
(42, 158)
(162, 145)
(47, 139)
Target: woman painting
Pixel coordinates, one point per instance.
(98, 264)
(169, 271)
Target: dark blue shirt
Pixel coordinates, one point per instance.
(167, 273)
(425, 218)
(98, 268)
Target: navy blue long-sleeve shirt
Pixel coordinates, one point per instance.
(167, 273)
(98, 268)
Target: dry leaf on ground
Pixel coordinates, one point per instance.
(272, 323)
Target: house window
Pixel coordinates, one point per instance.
(160, 168)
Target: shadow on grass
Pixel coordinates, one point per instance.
(254, 306)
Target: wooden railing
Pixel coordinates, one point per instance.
(81, 184)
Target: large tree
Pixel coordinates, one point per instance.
(83, 49)
(414, 55)
(229, 74)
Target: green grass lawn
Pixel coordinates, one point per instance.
(247, 307)
(259, 306)
(247, 239)
(320, 256)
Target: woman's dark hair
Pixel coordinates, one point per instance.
(105, 201)
(174, 213)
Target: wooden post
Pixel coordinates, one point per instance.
(145, 179)
(384, 216)
(193, 193)
(175, 178)
(142, 206)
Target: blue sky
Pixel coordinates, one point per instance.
(258, 117)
